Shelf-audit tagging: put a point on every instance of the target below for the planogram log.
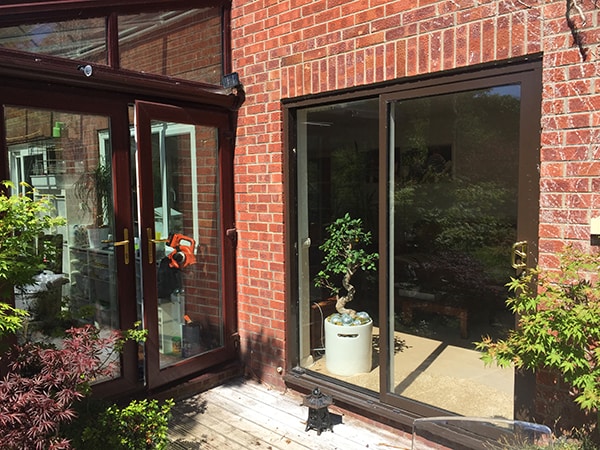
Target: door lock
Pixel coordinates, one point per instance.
(519, 255)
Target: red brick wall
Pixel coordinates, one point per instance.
(298, 47)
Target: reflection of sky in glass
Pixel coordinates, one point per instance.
(80, 39)
(514, 90)
(40, 32)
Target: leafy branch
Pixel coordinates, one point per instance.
(344, 254)
(558, 325)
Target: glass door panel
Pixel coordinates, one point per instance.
(454, 174)
(68, 157)
(180, 223)
(337, 155)
(185, 236)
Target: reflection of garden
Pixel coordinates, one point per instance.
(455, 209)
(453, 247)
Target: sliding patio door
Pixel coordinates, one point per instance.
(444, 174)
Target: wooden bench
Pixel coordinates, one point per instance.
(462, 314)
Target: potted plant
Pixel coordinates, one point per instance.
(348, 334)
(94, 191)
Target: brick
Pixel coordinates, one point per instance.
(298, 47)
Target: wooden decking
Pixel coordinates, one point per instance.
(243, 414)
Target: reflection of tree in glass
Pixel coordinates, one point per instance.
(353, 191)
(455, 192)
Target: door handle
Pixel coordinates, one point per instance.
(519, 255)
(151, 243)
(124, 243)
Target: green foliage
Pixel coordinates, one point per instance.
(578, 441)
(136, 334)
(140, 425)
(558, 325)
(11, 319)
(22, 221)
(94, 191)
(344, 253)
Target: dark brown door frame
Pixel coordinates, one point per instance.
(39, 96)
(145, 113)
(32, 94)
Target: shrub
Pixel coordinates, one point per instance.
(141, 425)
(345, 252)
(558, 326)
(43, 382)
(24, 220)
(11, 319)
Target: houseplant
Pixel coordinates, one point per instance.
(348, 334)
(93, 189)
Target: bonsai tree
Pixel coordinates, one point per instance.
(344, 254)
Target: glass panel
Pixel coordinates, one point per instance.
(82, 39)
(68, 156)
(337, 151)
(454, 180)
(181, 44)
(184, 162)
(470, 433)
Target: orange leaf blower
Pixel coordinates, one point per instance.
(183, 251)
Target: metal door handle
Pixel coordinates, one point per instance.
(519, 255)
(151, 243)
(124, 243)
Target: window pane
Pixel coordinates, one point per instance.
(83, 39)
(181, 44)
(186, 199)
(337, 174)
(67, 156)
(454, 182)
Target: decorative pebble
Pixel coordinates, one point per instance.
(360, 318)
(336, 319)
(347, 319)
(363, 315)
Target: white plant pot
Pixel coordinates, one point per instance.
(96, 236)
(348, 349)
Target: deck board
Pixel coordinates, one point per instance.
(243, 414)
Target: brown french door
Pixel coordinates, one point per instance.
(148, 213)
(183, 255)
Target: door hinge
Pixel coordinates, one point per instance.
(235, 340)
